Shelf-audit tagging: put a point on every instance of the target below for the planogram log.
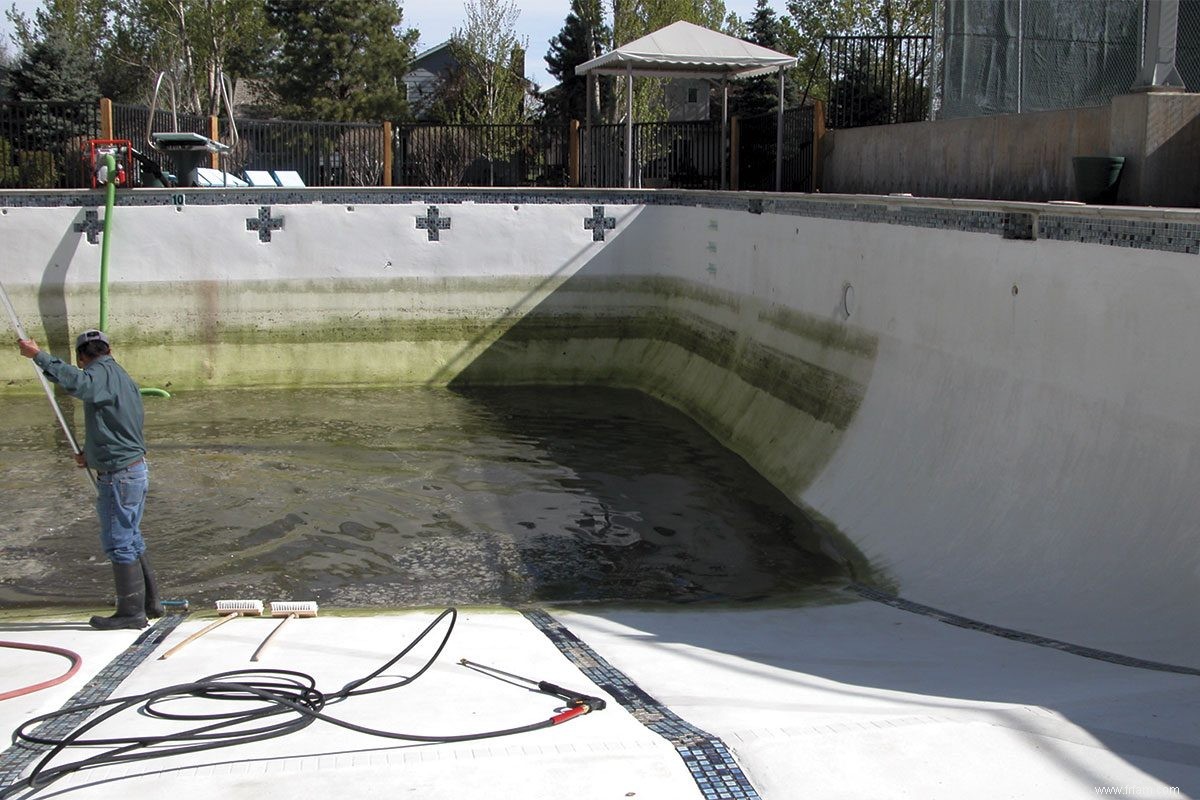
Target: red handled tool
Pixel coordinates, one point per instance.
(578, 703)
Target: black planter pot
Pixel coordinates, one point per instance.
(1097, 178)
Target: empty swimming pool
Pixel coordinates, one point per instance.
(982, 399)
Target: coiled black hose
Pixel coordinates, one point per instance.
(275, 692)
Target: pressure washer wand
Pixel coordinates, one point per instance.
(12, 315)
(579, 702)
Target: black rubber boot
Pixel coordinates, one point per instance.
(131, 599)
(154, 608)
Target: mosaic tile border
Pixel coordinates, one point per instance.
(712, 766)
(19, 756)
(1017, 224)
(869, 593)
(1177, 237)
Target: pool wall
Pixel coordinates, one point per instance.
(996, 403)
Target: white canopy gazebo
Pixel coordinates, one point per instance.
(684, 50)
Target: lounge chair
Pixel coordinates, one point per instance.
(207, 176)
(260, 177)
(287, 177)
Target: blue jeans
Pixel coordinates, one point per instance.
(120, 500)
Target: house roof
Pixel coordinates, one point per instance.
(431, 50)
(685, 50)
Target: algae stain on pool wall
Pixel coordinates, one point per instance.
(209, 295)
(780, 395)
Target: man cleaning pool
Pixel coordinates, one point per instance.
(116, 449)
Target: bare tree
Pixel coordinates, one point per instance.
(438, 156)
(362, 156)
(491, 82)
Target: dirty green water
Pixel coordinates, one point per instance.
(401, 497)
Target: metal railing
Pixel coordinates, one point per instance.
(877, 80)
(756, 151)
(481, 155)
(42, 143)
(681, 155)
(130, 122)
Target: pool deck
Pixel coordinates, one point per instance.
(853, 700)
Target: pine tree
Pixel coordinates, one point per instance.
(80, 25)
(760, 95)
(51, 135)
(583, 37)
(53, 69)
(340, 59)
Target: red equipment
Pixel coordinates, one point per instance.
(119, 149)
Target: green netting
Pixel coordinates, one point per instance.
(1004, 56)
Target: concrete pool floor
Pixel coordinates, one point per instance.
(850, 700)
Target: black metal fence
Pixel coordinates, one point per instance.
(42, 144)
(682, 155)
(481, 155)
(756, 151)
(322, 153)
(877, 80)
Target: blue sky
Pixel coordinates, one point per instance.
(435, 19)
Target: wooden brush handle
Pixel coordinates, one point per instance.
(271, 635)
(198, 634)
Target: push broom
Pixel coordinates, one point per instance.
(12, 315)
(288, 610)
(228, 609)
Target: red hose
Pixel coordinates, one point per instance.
(74, 658)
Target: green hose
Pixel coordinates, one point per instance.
(109, 200)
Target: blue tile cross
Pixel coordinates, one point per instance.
(432, 223)
(92, 225)
(598, 223)
(264, 223)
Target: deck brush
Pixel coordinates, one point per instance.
(287, 609)
(227, 609)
